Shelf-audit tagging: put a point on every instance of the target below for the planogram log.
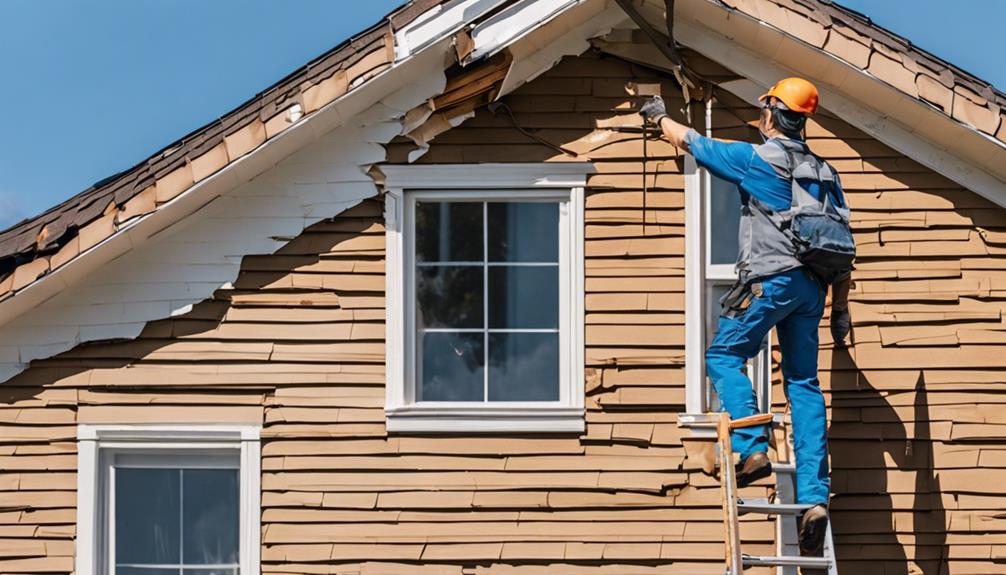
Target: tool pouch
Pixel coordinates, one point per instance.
(736, 301)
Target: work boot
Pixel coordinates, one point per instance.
(813, 525)
(753, 468)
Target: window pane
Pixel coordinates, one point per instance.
(724, 218)
(146, 516)
(119, 570)
(210, 516)
(523, 232)
(449, 231)
(449, 296)
(524, 297)
(233, 571)
(524, 367)
(451, 366)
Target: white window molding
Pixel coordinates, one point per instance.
(695, 309)
(563, 182)
(151, 442)
(702, 275)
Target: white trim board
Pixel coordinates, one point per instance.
(695, 309)
(513, 23)
(563, 181)
(92, 439)
(764, 72)
(438, 22)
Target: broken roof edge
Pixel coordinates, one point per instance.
(309, 86)
(182, 140)
(34, 249)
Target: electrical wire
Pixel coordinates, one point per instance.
(496, 106)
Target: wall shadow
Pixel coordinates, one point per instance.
(867, 517)
(259, 274)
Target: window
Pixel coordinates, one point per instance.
(168, 500)
(485, 297)
(710, 254)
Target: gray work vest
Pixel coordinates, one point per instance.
(764, 249)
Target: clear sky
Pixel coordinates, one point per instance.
(92, 87)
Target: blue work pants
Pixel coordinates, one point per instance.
(792, 302)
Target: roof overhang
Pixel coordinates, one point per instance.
(764, 53)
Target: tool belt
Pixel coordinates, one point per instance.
(740, 297)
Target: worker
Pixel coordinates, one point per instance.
(773, 290)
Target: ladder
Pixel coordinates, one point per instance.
(784, 509)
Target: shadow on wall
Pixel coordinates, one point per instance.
(868, 511)
(293, 282)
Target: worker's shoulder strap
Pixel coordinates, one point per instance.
(793, 160)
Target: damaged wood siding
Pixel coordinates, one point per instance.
(916, 431)
(298, 345)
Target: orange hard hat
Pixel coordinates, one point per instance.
(798, 94)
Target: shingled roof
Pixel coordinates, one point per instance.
(853, 37)
(35, 247)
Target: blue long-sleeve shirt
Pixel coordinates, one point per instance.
(737, 163)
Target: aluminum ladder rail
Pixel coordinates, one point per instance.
(785, 511)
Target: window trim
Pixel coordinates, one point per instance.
(142, 438)
(698, 272)
(535, 180)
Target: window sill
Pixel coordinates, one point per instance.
(435, 419)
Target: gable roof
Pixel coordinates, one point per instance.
(35, 247)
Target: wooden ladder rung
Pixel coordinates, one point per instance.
(751, 421)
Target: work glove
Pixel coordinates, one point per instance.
(841, 324)
(653, 110)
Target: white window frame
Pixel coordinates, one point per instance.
(563, 181)
(95, 440)
(700, 274)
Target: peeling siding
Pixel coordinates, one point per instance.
(297, 343)
(186, 262)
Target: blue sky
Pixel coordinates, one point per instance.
(92, 87)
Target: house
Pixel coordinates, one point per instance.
(264, 349)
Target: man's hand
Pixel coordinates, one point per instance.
(841, 321)
(653, 110)
(841, 324)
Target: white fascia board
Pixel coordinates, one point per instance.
(438, 22)
(513, 23)
(884, 128)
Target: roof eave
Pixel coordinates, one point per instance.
(764, 53)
